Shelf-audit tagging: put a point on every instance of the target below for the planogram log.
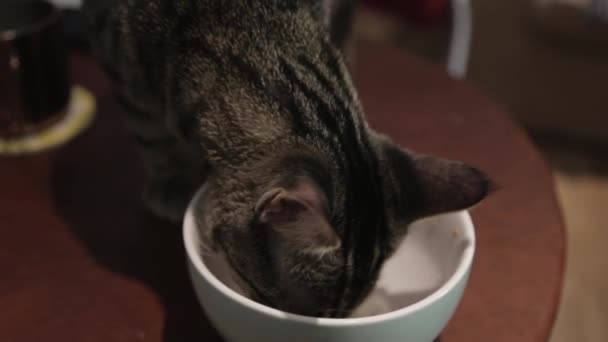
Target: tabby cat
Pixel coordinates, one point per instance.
(255, 99)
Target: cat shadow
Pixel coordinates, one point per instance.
(96, 185)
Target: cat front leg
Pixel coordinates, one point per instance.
(174, 168)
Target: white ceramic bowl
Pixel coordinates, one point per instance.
(417, 293)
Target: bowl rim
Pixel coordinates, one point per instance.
(190, 231)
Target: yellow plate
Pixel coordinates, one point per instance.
(80, 113)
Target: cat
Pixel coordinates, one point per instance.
(255, 99)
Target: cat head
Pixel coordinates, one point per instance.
(316, 241)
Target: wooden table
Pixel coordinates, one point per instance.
(81, 261)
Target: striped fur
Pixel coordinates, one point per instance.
(251, 96)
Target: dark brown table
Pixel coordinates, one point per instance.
(80, 260)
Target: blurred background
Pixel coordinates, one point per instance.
(546, 62)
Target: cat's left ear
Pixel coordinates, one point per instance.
(424, 185)
(297, 214)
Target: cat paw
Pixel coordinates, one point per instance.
(168, 199)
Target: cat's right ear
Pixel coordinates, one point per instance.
(421, 185)
(297, 215)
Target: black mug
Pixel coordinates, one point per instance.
(34, 85)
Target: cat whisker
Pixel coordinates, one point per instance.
(335, 313)
(204, 250)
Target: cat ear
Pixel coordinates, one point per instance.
(298, 214)
(428, 185)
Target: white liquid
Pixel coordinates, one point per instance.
(422, 264)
